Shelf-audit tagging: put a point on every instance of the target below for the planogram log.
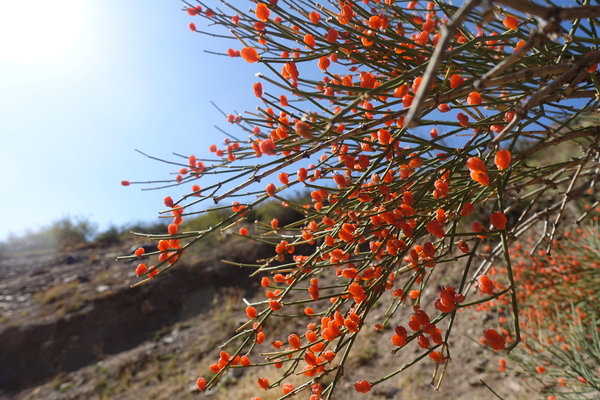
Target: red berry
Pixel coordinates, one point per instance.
(363, 386)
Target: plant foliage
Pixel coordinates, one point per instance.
(419, 130)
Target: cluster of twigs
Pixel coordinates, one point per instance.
(557, 300)
(404, 121)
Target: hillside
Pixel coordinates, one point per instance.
(72, 328)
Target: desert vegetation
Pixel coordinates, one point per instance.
(445, 149)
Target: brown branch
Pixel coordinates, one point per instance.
(549, 13)
(539, 96)
(448, 31)
(570, 136)
(534, 40)
(580, 94)
(520, 76)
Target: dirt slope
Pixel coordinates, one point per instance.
(72, 328)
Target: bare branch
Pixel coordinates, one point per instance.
(540, 95)
(549, 13)
(447, 34)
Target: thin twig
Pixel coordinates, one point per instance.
(448, 31)
(534, 100)
(533, 41)
(548, 13)
(519, 76)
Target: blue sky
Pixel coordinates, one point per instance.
(83, 84)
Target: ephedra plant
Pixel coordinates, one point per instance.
(558, 303)
(425, 134)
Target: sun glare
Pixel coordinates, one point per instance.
(41, 33)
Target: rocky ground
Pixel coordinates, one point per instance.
(72, 328)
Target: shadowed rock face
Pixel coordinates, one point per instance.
(119, 320)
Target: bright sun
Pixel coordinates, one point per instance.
(38, 33)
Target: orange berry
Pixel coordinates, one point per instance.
(456, 80)
(301, 174)
(283, 178)
(540, 369)
(310, 40)
(294, 341)
(262, 12)
(251, 312)
(263, 383)
(271, 189)
(303, 130)
(401, 91)
(324, 63)
(485, 284)
(398, 340)
(384, 136)
(435, 229)
(249, 54)
(495, 340)
(177, 210)
(328, 355)
(163, 245)
(332, 36)
(314, 17)
(501, 365)
(201, 384)
(416, 84)
(510, 22)
(463, 119)
(257, 88)
(267, 146)
(519, 44)
(363, 386)
(275, 305)
(437, 357)
(474, 99)
(463, 246)
(194, 10)
(502, 159)
(498, 220)
(423, 342)
(287, 388)
(467, 209)
(196, 190)
(245, 361)
(422, 38)
(481, 177)
(443, 108)
(141, 269)
(428, 26)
